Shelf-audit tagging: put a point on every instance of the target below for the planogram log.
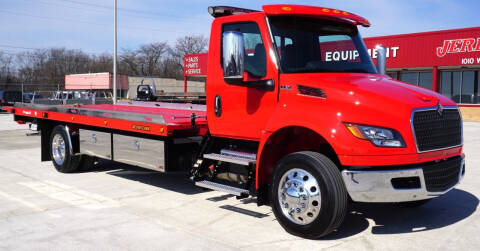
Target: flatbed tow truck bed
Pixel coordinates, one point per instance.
(151, 118)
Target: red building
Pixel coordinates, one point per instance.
(95, 81)
(446, 61)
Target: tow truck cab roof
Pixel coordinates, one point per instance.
(289, 9)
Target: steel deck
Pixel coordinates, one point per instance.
(153, 118)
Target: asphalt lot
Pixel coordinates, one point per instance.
(120, 207)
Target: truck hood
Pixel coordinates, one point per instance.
(335, 99)
(374, 88)
(366, 97)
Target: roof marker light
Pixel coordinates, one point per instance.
(286, 8)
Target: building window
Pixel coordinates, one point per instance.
(393, 74)
(409, 77)
(461, 86)
(425, 80)
(450, 85)
(422, 78)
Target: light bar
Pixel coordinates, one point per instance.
(221, 11)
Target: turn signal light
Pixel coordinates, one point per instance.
(379, 136)
(355, 131)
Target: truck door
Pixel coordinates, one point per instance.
(241, 110)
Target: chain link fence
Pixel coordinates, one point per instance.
(27, 90)
(49, 94)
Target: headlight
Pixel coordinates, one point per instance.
(379, 136)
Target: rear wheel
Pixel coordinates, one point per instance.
(309, 198)
(61, 153)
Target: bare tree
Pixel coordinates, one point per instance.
(51, 65)
(128, 62)
(101, 63)
(151, 55)
(190, 44)
(146, 60)
(31, 65)
(6, 67)
(171, 68)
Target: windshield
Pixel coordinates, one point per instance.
(316, 45)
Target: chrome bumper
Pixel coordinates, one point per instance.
(376, 186)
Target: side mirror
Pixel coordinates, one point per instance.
(233, 55)
(381, 59)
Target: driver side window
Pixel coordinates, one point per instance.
(255, 55)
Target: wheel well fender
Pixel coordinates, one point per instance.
(46, 127)
(285, 141)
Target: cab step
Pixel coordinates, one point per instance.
(230, 159)
(222, 188)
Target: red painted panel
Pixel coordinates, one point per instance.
(245, 111)
(195, 64)
(167, 129)
(291, 9)
(460, 47)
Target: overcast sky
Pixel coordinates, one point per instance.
(88, 24)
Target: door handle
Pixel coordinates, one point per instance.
(218, 106)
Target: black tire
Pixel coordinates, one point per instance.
(70, 161)
(333, 193)
(413, 204)
(87, 162)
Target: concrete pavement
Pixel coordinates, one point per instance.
(120, 207)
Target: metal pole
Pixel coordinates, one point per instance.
(185, 84)
(114, 51)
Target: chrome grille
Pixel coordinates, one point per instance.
(434, 130)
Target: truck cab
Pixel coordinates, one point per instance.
(298, 84)
(296, 115)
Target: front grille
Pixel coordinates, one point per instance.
(437, 131)
(443, 175)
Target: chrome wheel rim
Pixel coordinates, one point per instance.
(299, 196)
(58, 149)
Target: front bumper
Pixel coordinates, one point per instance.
(377, 186)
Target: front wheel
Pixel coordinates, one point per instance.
(309, 198)
(60, 151)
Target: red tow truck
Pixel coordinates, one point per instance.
(285, 121)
